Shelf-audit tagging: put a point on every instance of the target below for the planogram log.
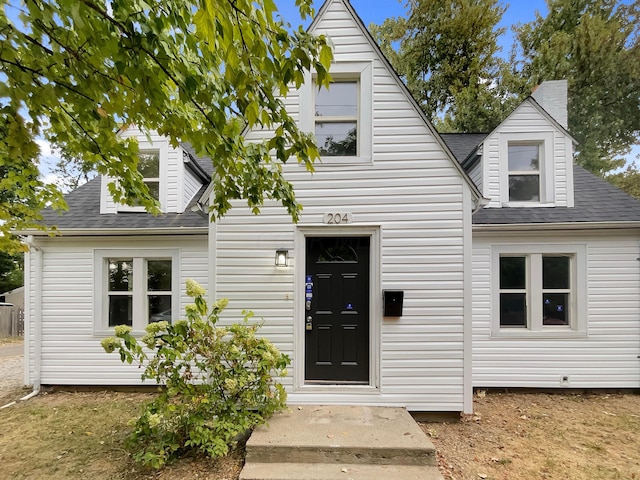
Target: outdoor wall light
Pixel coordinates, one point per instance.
(282, 257)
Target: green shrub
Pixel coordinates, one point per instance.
(219, 382)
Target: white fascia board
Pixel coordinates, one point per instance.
(520, 227)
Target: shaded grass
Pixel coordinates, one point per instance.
(81, 435)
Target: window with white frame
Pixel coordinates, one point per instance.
(527, 169)
(539, 291)
(341, 116)
(524, 172)
(149, 168)
(135, 290)
(336, 119)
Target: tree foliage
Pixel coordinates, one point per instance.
(595, 45)
(219, 382)
(627, 180)
(447, 55)
(11, 271)
(200, 71)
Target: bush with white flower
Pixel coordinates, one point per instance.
(219, 381)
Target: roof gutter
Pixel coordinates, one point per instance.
(575, 226)
(112, 232)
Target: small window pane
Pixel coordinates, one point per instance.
(154, 189)
(121, 275)
(340, 100)
(149, 164)
(337, 139)
(555, 272)
(524, 158)
(120, 310)
(160, 308)
(159, 275)
(513, 272)
(513, 310)
(524, 188)
(556, 309)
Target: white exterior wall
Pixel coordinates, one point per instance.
(475, 174)
(172, 176)
(71, 352)
(605, 357)
(417, 205)
(527, 123)
(192, 185)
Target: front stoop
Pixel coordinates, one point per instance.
(340, 442)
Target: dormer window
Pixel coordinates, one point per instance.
(524, 172)
(336, 119)
(153, 158)
(149, 167)
(527, 170)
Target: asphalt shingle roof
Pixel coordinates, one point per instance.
(84, 214)
(462, 144)
(595, 199)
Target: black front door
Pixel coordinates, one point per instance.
(337, 310)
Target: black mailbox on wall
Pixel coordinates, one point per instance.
(392, 300)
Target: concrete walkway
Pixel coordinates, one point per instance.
(11, 349)
(340, 442)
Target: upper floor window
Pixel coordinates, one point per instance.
(341, 117)
(336, 119)
(149, 168)
(524, 172)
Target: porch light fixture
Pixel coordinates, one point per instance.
(282, 257)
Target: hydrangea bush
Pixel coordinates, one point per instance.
(219, 381)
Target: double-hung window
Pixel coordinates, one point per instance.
(135, 288)
(539, 291)
(149, 167)
(524, 172)
(341, 116)
(336, 119)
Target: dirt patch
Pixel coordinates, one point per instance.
(10, 340)
(542, 436)
(66, 435)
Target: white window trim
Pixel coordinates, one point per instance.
(162, 147)
(139, 256)
(546, 167)
(362, 72)
(578, 320)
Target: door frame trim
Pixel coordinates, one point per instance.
(375, 306)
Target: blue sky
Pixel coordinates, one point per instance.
(377, 11)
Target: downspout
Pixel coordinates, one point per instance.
(35, 317)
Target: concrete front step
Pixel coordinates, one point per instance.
(323, 471)
(340, 442)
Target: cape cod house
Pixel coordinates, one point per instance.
(423, 264)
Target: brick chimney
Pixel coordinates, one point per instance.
(552, 96)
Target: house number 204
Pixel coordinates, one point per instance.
(337, 218)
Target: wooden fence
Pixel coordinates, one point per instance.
(11, 321)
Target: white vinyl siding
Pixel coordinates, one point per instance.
(410, 193)
(528, 124)
(175, 184)
(71, 352)
(603, 356)
(476, 175)
(192, 185)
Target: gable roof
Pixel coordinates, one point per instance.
(374, 45)
(595, 200)
(84, 215)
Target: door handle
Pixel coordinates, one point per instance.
(309, 324)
